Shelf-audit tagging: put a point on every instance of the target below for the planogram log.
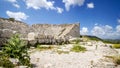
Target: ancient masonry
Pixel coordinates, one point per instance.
(38, 33)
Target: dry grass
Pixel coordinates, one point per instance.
(115, 59)
(62, 52)
(41, 47)
(117, 46)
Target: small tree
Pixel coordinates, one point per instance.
(15, 48)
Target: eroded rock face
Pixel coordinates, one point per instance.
(8, 28)
(31, 36)
(38, 33)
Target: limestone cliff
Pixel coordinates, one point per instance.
(39, 33)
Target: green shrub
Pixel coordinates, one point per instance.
(78, 48)
(116, 46)
(15, 48)
(11, 19)
(5, 62)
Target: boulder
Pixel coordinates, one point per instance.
(7, 33)
(32, 42)
(31, 36)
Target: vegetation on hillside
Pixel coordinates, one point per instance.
(117, 46)
(111, 41)
(91, 37)
(115, 41)
(11, 19)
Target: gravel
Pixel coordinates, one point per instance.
(88, 59)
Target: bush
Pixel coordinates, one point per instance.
(116, 46)
(5, 62)
(12, 19)
(15, 48)
(78, 48)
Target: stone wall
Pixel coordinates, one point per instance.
(62, 30)
(38, 33)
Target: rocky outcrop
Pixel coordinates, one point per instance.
(38, 33)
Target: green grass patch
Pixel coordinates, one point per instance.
(42, 47)
(78, 48)
(117, 46)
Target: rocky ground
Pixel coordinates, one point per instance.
(62, 57)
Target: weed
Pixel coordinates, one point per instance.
(78, 48)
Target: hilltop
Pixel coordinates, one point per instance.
(95, 38)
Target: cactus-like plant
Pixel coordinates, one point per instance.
(15, 48)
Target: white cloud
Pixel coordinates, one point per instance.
(84, 31)
(97, 30)
(118, 28)
(118, 20)
(16, 5)
(69, 3)
(38, 4)
(101, 30)
(59, 10)
(106, 31)
(107, 28)
(90, 5)
(17, 15)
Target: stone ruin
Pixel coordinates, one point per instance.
(38, 33)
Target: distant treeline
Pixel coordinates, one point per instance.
(112, 41)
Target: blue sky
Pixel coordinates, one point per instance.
(97, 17)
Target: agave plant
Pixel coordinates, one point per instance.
(16, 48)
